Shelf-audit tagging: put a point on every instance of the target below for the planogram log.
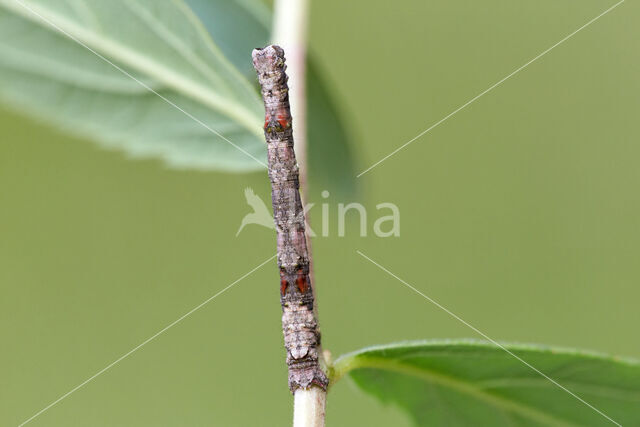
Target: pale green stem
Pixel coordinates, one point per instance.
(290, 33)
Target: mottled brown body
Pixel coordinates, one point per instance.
(299, 324)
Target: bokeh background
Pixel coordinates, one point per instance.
(521, 214)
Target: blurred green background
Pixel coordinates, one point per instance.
(521, 214)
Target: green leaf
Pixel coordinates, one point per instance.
(238, 26)
(158, 44)
(474, 383)
(331, 165)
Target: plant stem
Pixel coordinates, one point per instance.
(309, 406)
(307, 379)
(290, 32)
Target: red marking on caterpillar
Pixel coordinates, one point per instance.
(266, 121)
(283, 283)
(301, 281)
(283, 120)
